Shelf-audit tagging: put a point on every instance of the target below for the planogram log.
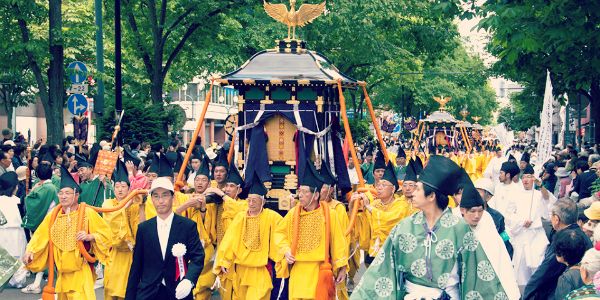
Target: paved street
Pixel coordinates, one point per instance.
(15, 294)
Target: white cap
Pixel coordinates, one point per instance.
(9, 142)
(162, 182)
(21, 173)
(485, 184)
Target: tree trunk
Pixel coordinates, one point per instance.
(56, 74)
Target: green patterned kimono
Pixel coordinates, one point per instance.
(94, 187)
(456, 263)
(8, 266)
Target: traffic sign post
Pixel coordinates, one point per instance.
(77, 72)
(77, 104)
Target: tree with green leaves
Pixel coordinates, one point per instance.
(561, 36)
(15, 91)
(38, 37)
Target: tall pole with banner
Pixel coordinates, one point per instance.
(544, 147)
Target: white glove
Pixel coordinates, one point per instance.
(183, 289)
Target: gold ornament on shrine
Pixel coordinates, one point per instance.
(292, 17)
(464, 113)
(476, 119)
(442, 101)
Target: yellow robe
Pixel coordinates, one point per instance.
(247, 246)
(342, 216)
(382, 219)
(411, 209)
(470, 165)
(480, 165)
(150, 210)
(208, 238)
(225, 213)
(74, 277)
(123, 224)
(311, 250)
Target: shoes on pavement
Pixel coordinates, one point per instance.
(32, 289)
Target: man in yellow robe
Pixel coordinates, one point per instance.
(205, 216)
(305, 247)
(248, 245)
(163, 168)
(225, 212)
(123, 224)
(413, 169)
(75, 279)
(327, 195)
(383, 213)
(470, 166)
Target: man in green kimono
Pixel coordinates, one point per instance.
(400, 168)
(41, 199)
(367, 166)
(93, 187)
(444, 262)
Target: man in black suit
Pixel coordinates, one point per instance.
(154, 270)
(584, 180)
(543, 281)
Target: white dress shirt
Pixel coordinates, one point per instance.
(163, 227)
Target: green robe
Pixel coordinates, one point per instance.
(367, 170)
(94, 187)
(37, 203)
(400, 172)
(403, 257)
(56, 181)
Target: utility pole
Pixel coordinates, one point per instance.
(118, 81)
(99, 101)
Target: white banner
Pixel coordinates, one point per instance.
(544, 148)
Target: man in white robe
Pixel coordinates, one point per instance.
(524, 223)
(506, 190)
(492, 171)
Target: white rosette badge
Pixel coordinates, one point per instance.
(179, 251)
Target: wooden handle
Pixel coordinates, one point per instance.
(375, 123)
(179, 181)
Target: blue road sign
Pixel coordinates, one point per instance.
(77, 104)
(77, 72)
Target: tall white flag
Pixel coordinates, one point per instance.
(544, 148)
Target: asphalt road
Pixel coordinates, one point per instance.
(15, 294)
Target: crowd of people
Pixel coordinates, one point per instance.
(490, 223)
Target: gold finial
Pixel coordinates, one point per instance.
(476, 119)
(292, 18)
(442, 101)
(464, 113)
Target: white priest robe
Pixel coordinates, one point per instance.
(503, 195)
(529, 243)
(493, 169)
(494, 248)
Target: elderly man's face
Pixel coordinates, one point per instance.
(255, 204)
(67, 197)
(232, 190)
